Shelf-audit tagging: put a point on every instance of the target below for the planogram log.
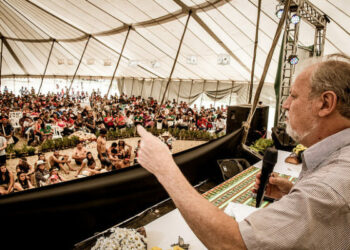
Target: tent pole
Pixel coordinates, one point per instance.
(2, 47)
(152, 87)
(231, 93)
(246, 125)
(132, 86)
(143, 83)
(178, 92)
(81, 58)
(120, 56)
(189, 97)
(216, 92)
(177, 55)
(202, 93)
(123, 84)
(47, 64)
(254, 53)
(160, 90)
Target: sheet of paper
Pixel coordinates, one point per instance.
(283, 167)
(165, 231)
(239, 211)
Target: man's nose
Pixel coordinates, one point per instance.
(286, 103)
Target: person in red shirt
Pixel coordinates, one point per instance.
(109, 121)
(202, 123)
(120, 121)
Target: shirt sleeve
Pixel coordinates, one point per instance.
(300, 220)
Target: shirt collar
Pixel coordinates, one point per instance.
(317, 153)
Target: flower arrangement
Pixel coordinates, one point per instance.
(121, 239)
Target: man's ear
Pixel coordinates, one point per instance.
(328, 103)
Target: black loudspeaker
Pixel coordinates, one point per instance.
(231, 167)
(282, 140)
(236, 115)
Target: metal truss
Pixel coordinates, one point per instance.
(308, 13)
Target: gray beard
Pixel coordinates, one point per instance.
(292, 133)
(298, 137)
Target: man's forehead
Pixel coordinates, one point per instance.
(303, 79)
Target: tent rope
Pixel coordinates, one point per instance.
(246, 125)
(254, 53)
(177, 55)
(120, 56)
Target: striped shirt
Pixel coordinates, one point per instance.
(316, 212)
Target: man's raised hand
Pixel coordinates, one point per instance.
(154, 155)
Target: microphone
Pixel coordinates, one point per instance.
(268, 164)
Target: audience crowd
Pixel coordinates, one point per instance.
(37, 118)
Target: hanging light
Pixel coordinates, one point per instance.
(295, 19)
(293, 59)
(70, 61)
(155, 64)
(90, 61)
(133, 63)
(192, 59)
(60, 61)
(223, 59)
(107, 62)
(279, 13)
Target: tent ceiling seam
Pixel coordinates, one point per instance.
(153, 22)
(31, 51)
(51, 39)
(215, 37)
(13, 54)
(95, 38)
(184, 7)
(241, 48)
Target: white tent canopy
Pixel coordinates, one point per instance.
(29, 28)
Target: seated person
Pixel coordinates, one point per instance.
(57, 161)
(114, 145)
(136, 151)
(90, 123)
(54, 177)
(122, 151)
(220, 124)
(202, 123)
(6, 180)
(79, 154)
(7, 129)
(88, 167)
(24, 167)
(149, 123)
(167, 139)
(22, 183)
(109, 121)
(27, 124)
(120, 121)
(3, 146)
(46, 132)
(79, 123)
(41, 174)
(138, 119)
(113, 157)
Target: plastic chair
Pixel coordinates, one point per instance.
(56, 132)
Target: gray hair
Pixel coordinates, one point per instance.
(333, 74)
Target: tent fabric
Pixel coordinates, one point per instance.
(29, 28)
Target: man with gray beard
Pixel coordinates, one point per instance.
(314, 213)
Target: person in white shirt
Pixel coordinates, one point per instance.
(3, 145)
(220, 124)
